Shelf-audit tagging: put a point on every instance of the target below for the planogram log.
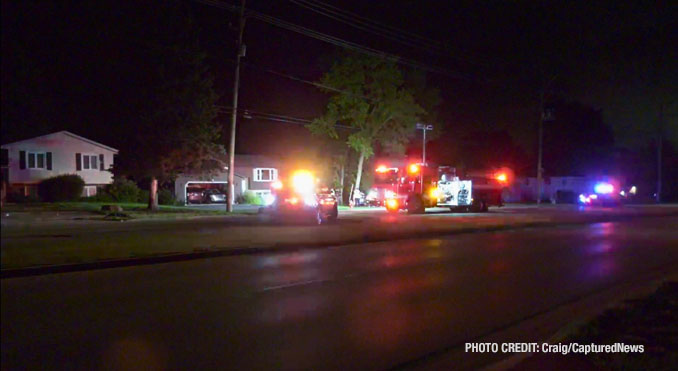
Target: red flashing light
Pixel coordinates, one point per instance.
(413, 168)
(382, 169)
(392, 204)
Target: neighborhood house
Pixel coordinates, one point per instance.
(27, 162)
(253, 173)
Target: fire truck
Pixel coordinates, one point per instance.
(488, 187)
(415, 186)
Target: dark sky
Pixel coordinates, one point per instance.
(619, 57)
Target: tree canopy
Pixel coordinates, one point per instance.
(369, 95)
(175, 129)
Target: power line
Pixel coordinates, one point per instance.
(383, 30)
(254, 114)
(374, 24)
(313, 83)
(339, 42)
(363, 25)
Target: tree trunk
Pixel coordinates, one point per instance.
(359, 173)
(153, 195)
(341, 180)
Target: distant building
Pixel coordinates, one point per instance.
(27, 162)
(563, 189)
(255, 173)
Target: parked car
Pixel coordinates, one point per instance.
(214, 196)
(195, 195)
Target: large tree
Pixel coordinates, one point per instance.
(368, 94)
(176, 129)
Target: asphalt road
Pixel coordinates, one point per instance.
(369, 306)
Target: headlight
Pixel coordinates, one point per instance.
(310, 201)
(268, 199)
(303, 182)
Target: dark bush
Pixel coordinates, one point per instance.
(251, 198)
(143, 196)
(123, 190)
(61, 188)
(101, 196)
(21, 199)
(166, 197)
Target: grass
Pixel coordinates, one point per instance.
(652, 322)
(132, 209)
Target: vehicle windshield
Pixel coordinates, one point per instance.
(386, 177)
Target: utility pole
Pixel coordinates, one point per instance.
(542, 118)
(541, 136)
(234, 115)
(659, 153)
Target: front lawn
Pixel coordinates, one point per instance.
(133, 209)
(651, 322)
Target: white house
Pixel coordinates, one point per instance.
(253, 173)
(32, 160)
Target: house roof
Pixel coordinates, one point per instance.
(255, 161)
(68, 133)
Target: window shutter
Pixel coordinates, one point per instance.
(78, 162)
(22, 159)
(101, 162)
(48, 158)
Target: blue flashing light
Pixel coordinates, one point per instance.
(604, 188)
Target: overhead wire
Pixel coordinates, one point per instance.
(254, 114)
(377, 28)
(340, 42)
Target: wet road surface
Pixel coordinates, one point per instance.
(370, 306)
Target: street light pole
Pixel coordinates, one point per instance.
(234, 114)
(424, 128)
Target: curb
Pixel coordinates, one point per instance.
(214, 252)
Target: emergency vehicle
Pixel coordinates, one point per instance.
(300, 197)
(415, 187)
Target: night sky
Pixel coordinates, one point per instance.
(65, 65)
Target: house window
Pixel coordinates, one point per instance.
(36, 160)
(265, 175)
(90, 162)
(89, 191)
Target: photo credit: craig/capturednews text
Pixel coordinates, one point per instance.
(562, 348)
